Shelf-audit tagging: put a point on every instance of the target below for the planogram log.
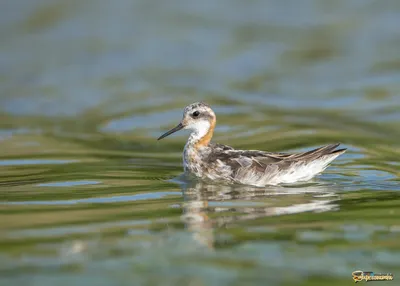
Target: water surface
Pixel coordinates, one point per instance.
(89, 197)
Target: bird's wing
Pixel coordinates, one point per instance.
(308, 155)
(260, 161)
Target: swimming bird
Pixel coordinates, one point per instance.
(216, 162)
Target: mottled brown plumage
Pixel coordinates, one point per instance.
(219, 162)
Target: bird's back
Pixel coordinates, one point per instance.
(262, 168)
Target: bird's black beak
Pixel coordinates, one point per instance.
(173, 130)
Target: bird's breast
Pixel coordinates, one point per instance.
(192, 161)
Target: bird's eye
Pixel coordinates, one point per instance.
(196, 113)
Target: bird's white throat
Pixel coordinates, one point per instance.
(199, 130)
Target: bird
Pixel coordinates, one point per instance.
(216, 162)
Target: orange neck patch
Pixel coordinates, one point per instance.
(205, 140)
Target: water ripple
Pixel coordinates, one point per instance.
(115, 199)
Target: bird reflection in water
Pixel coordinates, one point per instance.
(207, 207)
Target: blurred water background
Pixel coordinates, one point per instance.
(89, 197)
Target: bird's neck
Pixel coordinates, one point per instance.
(201, 136)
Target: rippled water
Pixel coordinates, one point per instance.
(89, 197)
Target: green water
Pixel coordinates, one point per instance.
(90, 197)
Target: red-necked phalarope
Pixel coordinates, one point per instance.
(217, 162)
